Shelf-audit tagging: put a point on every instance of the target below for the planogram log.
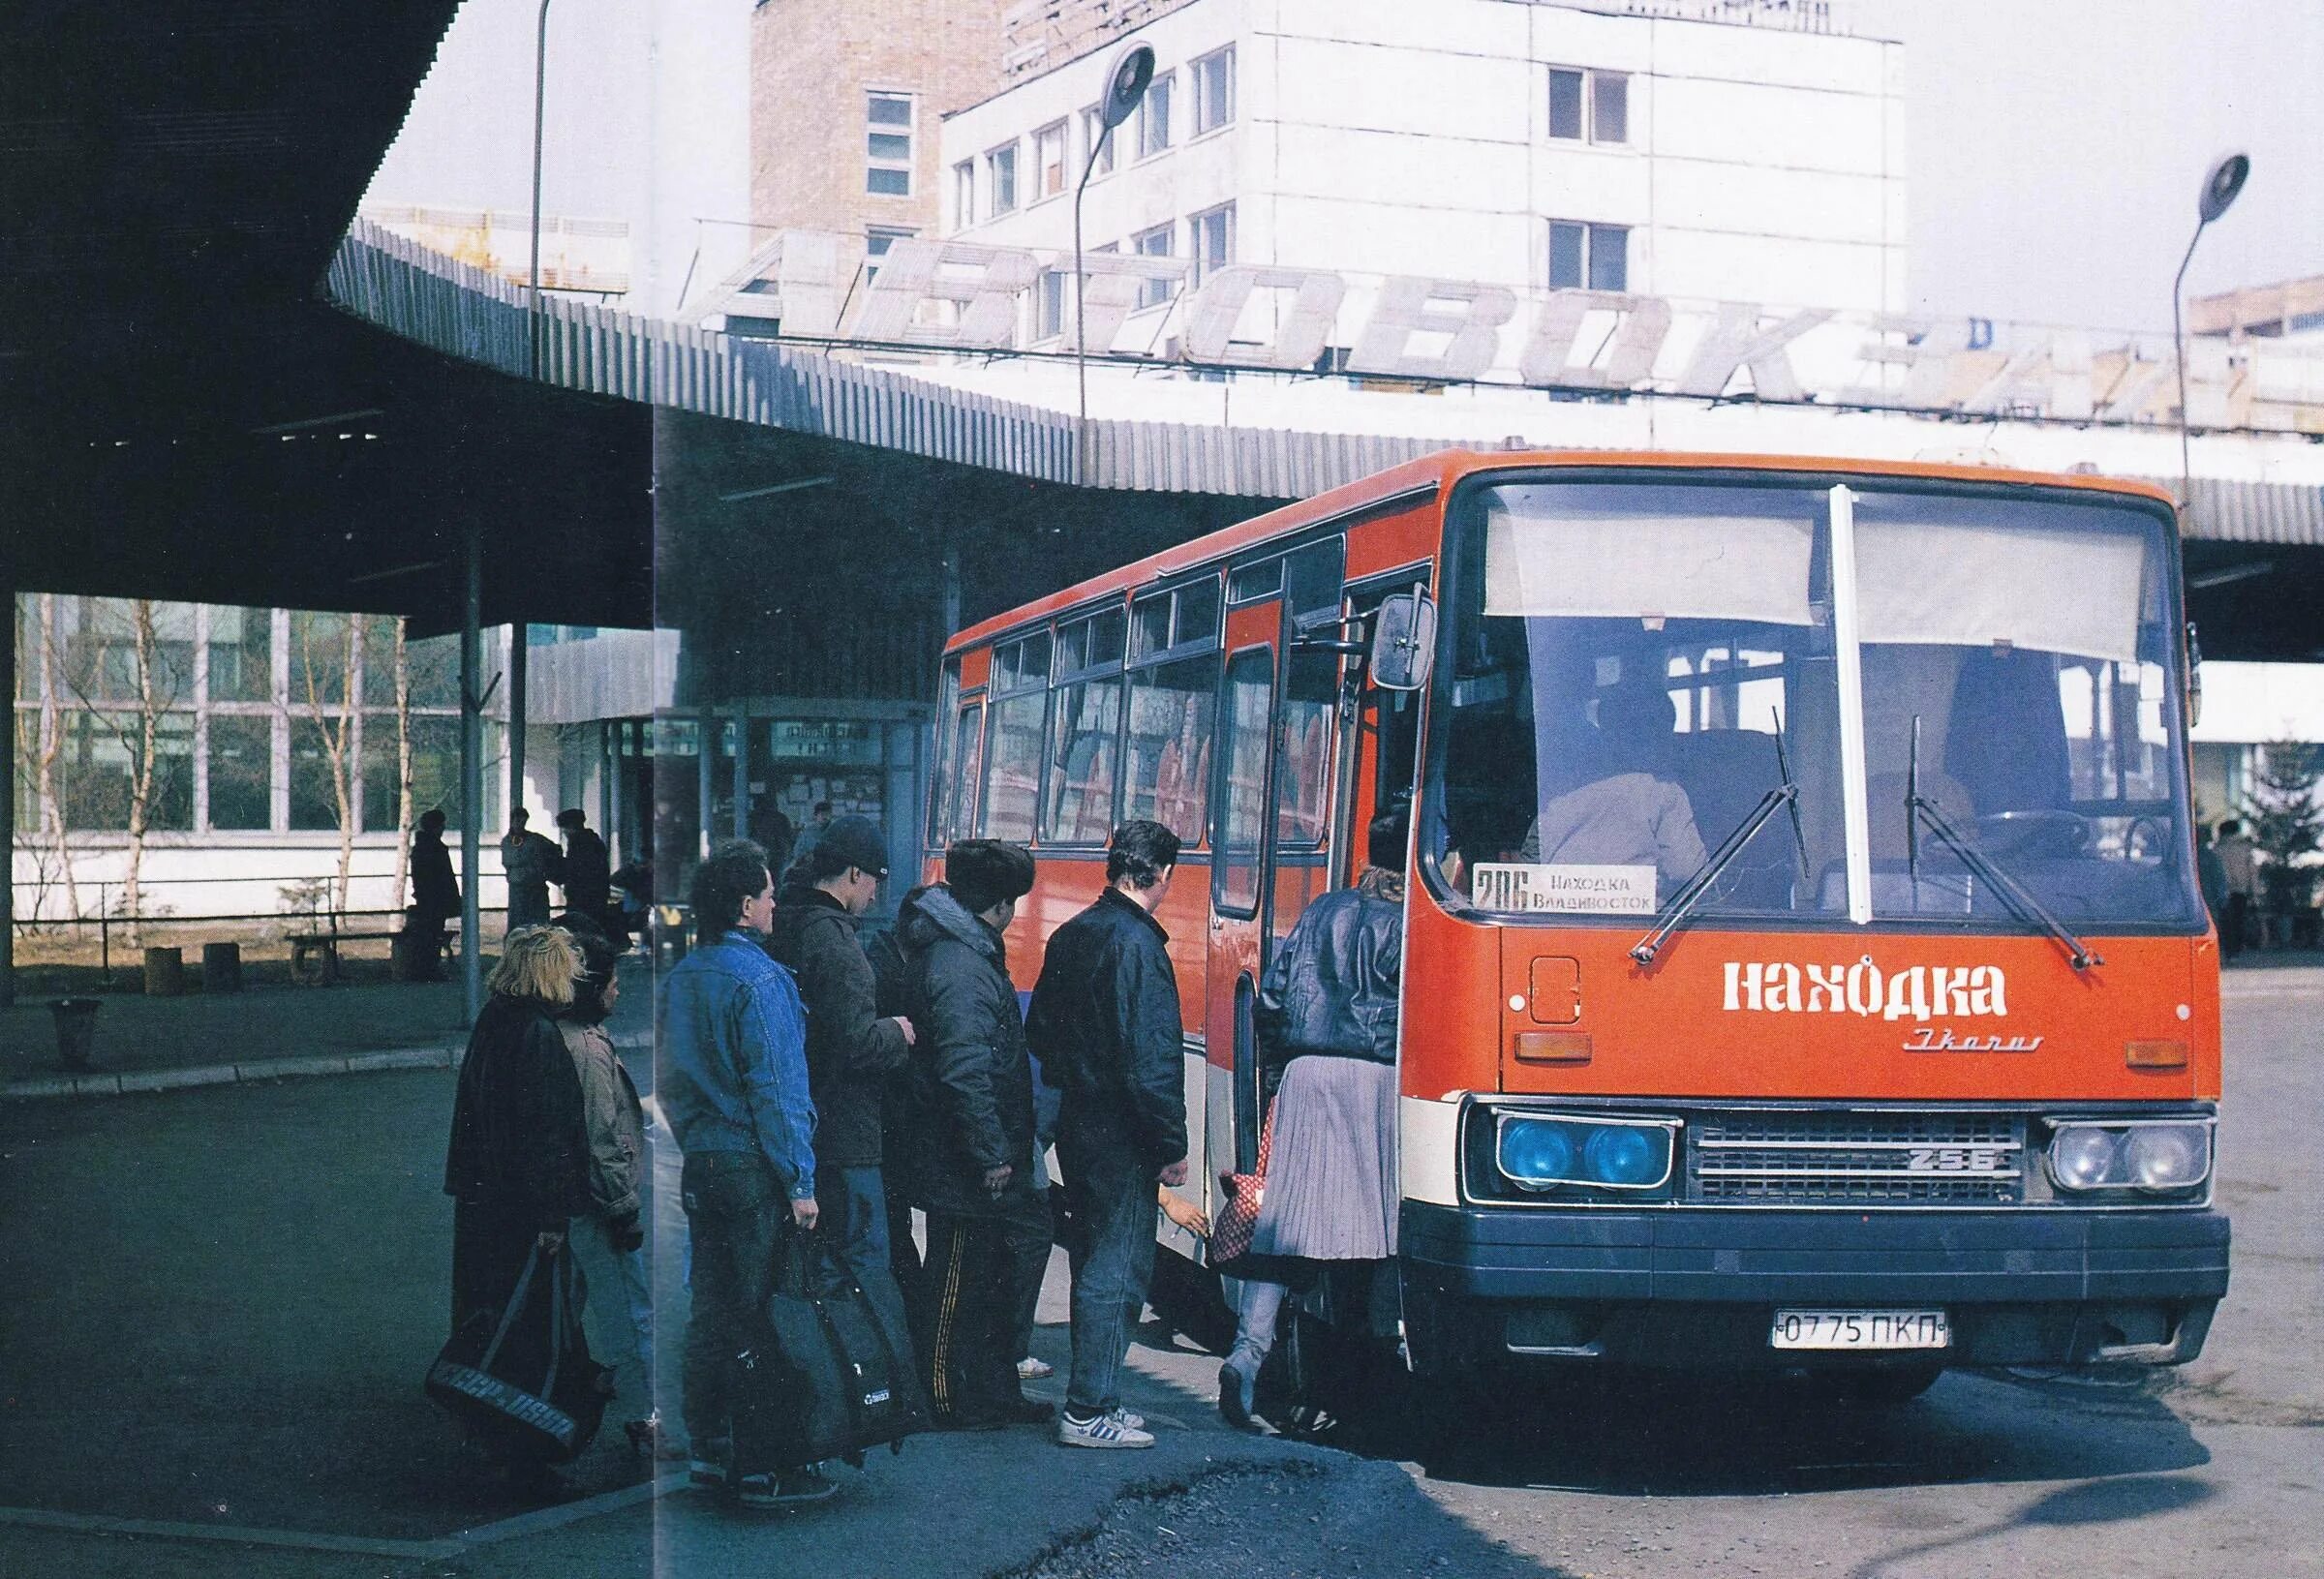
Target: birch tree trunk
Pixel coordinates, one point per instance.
(403, 762)
(140, 779)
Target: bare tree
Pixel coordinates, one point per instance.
(333, 720)
(156, 687)
(403, 759)
(37, 751)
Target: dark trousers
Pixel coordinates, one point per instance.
(738, 1224)
(904, 1252)
(1111, 1196)
(2232, 926)
(965, 1320)
(852, 1234)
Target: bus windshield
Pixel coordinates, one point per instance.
(1634, 669)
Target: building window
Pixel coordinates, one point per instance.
(1155, 243)
(1599, 100)
(1049, 305)
(1215, 91)
(888, 145)
(1049, 160)
(1099, 136)
(242, 771)
(1000, 178)
(1213, 234)
(876, 242)
(241, 654)
(1153, 118)
(103, 760)
(964, 193)
(1609, 106)
(1596, 255)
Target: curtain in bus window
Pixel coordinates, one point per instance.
(1250, 689)
(1012, 777)
(1078, 809)
(1303, 777)
(2008, 583)
(1557, 551)
(1169, 760)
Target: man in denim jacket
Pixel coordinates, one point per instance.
(732, 1086)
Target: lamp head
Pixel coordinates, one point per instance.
(2222, 186)
(1126, 84)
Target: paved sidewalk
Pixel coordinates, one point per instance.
(264, 1032)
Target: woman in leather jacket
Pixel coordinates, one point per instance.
(1326, 1013)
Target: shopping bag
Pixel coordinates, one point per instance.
(1232, 1230)
(547, 1418)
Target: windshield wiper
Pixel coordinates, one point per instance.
(1687, 897)
(1920, 809)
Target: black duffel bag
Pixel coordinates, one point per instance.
(833, 1379)
(546, 1417)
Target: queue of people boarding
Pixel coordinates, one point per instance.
(820, 1089)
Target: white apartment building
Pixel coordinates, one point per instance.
(1686, 148)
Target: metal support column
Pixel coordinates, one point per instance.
(472, 777)
(705, 761)
(519, 657)
(8, 798)
(741, 775)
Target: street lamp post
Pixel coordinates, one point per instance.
(541, 96)
(1125, 84)
(2219, 189)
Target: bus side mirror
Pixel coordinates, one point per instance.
(1403, 641)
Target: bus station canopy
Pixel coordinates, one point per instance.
(184, 414)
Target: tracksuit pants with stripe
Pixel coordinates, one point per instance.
(965, 1310)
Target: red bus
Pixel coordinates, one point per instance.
(1805, 964)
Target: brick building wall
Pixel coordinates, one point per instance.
(815, 65)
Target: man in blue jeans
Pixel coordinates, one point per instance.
(732, 1084)
(1105, 1023)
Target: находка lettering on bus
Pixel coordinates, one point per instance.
(1920, 993)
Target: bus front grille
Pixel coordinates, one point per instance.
(1852, 1159)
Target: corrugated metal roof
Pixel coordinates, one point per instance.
(463, 312)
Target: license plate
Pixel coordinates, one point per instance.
(1861, 1329)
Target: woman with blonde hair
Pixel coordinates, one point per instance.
(518, 1169)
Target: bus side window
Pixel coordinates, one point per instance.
(1242, 801)
(964, 764)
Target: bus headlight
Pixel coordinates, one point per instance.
(1550, 1151)
(2160, 1156)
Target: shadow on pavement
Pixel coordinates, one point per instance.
(216, 1307)
(1627, 1434)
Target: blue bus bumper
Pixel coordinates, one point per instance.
(1690, 1287)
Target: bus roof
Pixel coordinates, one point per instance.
(1440, 471)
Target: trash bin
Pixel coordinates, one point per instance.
(75, 1030)
(222, 967)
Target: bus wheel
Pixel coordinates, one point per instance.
(1885, 1388)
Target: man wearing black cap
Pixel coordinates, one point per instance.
(852, 1050)
(972, 1083)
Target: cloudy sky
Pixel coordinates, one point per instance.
(2055, 148)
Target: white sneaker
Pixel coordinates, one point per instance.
(1128, 1417)
(1030, 1369)
(1106, 1431)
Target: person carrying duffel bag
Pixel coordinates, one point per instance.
(524, 1388)
(834, 1375)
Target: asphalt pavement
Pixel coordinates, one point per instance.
(216, 1305)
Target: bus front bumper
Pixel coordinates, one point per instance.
(1682, 1287)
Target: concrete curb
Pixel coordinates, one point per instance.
(135, 1082)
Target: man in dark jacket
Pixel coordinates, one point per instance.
(435, 895)
(973, 1090)
(1105, 1018)
(852, 1050)
(588, 871)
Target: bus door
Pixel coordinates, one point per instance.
(1272, 843)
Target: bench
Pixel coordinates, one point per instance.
(315, 956)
